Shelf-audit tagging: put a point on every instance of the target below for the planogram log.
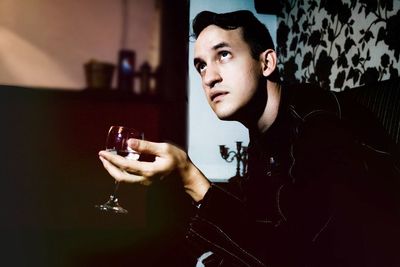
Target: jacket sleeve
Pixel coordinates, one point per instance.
(221, 225)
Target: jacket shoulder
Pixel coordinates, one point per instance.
(306, 100)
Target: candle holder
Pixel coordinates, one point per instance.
(240, 155)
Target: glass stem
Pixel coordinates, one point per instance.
(114, 194)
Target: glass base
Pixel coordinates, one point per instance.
(112, 205)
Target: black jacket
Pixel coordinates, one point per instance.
(314, 194)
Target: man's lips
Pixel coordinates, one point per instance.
(217, 95)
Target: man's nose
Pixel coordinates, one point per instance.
(212, 76)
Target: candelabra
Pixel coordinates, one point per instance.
(240, 155)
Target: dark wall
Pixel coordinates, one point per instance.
(174, 71)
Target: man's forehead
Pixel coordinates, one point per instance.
(213, 35)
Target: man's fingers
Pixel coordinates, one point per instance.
(115, 159)
(147, 147)
(123, 175)
(134, 167)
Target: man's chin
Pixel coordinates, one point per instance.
(225, 112)
(229, 115)
(225, 116)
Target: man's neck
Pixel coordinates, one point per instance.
(270, 112)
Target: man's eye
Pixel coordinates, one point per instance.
(201, 67)
(224, 54)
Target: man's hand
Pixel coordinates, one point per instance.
(168, 158)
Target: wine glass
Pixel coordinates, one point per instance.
(117, 143)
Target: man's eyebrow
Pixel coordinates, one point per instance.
(220, 45)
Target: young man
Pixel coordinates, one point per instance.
(306, 200)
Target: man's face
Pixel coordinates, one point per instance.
(230, 75)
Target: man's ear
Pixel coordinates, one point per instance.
(269, 62)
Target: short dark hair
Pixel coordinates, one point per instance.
(255, 33)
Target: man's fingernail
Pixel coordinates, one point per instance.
(133, 142)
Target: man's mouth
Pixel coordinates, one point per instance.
(217, 96)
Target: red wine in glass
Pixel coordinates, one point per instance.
(117, 142)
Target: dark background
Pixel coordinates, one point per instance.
(51, 176)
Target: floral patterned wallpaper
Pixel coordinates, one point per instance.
(339, 43)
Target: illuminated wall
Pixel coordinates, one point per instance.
(46, 42)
